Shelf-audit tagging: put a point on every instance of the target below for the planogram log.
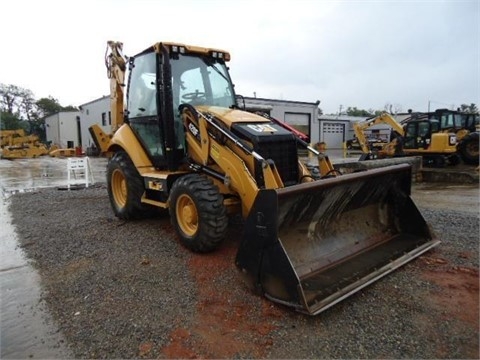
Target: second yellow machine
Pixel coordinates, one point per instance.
(183, 144)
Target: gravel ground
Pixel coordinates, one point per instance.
(128, 290)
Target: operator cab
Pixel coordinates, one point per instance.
(162, 78)
(455, 120)
(418, 133)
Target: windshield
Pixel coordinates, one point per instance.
(200, 81)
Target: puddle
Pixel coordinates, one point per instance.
(24, 174)
(27, 329)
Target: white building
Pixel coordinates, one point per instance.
(63, 129)
(334, 130)
(337, 129)
(69, 129)
(301, 115)
(94, 112)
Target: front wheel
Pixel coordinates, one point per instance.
(197, 213)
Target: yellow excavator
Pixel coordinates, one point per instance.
(417, 137)
(182, 143)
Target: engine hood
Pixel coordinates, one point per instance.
(232, 116)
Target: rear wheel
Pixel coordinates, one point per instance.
(468, 149)
(197, 213)
(125, 188)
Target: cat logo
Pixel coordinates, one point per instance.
(262, 128)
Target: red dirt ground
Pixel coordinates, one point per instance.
(229, 323)
(457, 295)
(214, 338)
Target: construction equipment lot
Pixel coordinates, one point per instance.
(119, 289)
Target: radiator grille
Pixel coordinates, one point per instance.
(284, 155)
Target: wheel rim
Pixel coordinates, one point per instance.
(119, 188)
(187, 216)
(472, 149)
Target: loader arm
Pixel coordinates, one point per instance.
(205, 149)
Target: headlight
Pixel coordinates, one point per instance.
(176, 49)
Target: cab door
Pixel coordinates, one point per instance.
(411, 131)
(142, 107)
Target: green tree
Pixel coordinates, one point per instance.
(9, 121)
(29, 110)
(70, 108)
(354, 111)
(471, 109)
(48, 106)
(11, 97)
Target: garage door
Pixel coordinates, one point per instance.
(333, 134)
(299, 121)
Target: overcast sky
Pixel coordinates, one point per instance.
(363, 54)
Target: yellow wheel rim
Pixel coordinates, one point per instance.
(472, 148)
(119, 188)
(187, 216)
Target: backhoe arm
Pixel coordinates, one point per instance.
(115, 62)
(384, 118)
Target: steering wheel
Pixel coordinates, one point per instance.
(193, 95)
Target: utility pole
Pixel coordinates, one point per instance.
(452, 106)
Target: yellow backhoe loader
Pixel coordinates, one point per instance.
(417, 137)
(466, 127)
(183, 144)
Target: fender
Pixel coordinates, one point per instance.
(126, 140)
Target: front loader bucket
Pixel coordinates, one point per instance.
(312, 245)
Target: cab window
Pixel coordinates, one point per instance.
(142, 94)
(142, 105)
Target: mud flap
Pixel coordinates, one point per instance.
(312, 245)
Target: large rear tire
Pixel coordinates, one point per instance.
(125, 188)
(468, 149)
(197, 213)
